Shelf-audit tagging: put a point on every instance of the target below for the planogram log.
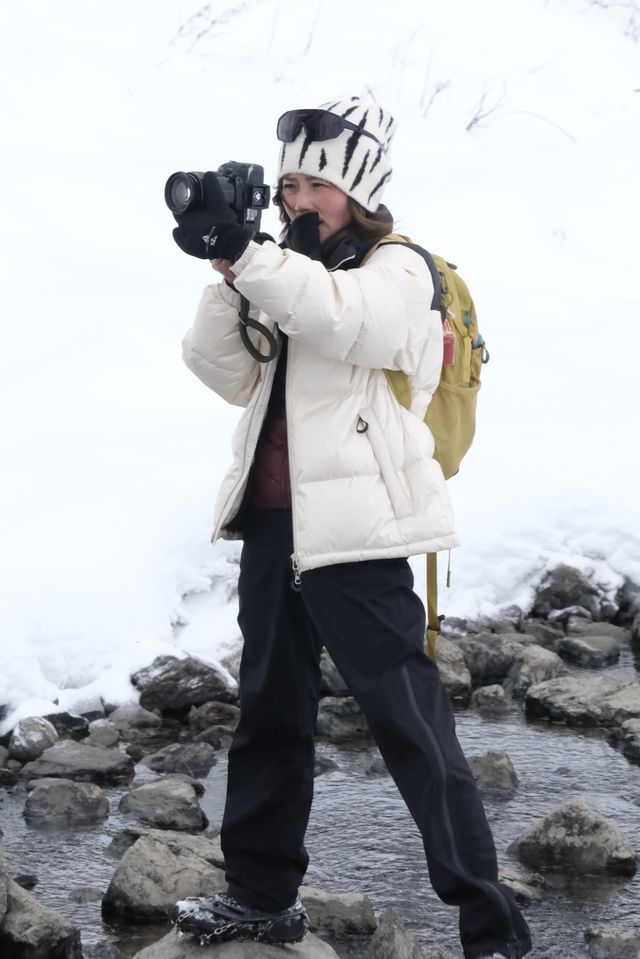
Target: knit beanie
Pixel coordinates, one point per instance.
(352, 161)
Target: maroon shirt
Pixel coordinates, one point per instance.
(269, 481)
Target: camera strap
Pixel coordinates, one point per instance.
(245, 322)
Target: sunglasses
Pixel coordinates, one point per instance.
(318, 125)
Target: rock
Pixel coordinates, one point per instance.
(26, 881)
(577, 839)
(220, 737)
(102, 732)
(490, 656)
(64, 802)
(322, 764)
(172, 947)
(627, 738)
(591, 652)
(341, 719)
(69, 726)
(584, 701)
(453, 671)
(612, 942)
(338, 914)
(32, 930)
(494, 774)
(527, 887)
(171, 684)
(508, 620)
(376, 768)
(491, 700)
(232, 661)
(168, 804)
(4, 755)
(202, 846)
(8, 778)
(579, 627)
(628, 600)
(392, 941)
(3, 882)
(155, 872)
(565, 586)
(214, 714)
(331, 682)
(532, 665)
(134, 750)
(30, 737)
(562, 616)
(132, 716)
(71, 760)
(545, 635)
(196, 759)
(635, 628)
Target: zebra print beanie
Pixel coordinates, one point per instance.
(352, 161)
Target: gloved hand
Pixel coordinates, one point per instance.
(212, 232)
(304, 235)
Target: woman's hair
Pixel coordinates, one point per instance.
(374, 225)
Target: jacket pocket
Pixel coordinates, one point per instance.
(369, 427)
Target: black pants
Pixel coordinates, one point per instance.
(372, 624)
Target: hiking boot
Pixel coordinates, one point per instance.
(220, 918)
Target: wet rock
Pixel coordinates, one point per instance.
(102, 732)
(577, 839)
(69, 725)
(171, 684)
(64, 802)
(77, 761)
(26, 881)
(172, 947)
(134, 750)
(490, 656)
(453, 671)
(491, 700)
(30, 737)
(627, 738)
(527, 887)
(341, 720)
(4, 755)
(590, 652)
(32, 930)
(155, 872)
(84, 894)
(331, 682)
(183, 844)
(509, 620)
(196, 759)
(338, 914)
(584, 701)
(322, 764)
(232, 661)
(376, 768)
(392, 941)
(532, 665)
(565, 586)
(635, 628)
(494, 774)
(214, 714)
(613, 942)
(169, 804)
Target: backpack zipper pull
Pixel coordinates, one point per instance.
(296, 583)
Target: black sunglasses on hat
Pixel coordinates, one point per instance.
(318, 124)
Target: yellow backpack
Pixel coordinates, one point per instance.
(451, 415)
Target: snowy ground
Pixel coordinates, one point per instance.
(516, 157)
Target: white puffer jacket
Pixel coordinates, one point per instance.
(363, 481)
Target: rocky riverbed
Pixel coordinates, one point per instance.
(108, 818)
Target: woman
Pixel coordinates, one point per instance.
(333, 486)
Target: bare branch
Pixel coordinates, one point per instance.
(483, 110)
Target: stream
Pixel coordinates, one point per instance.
(362, 839)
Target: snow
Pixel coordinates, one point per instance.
(112, 451)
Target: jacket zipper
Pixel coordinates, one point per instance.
(296, 582)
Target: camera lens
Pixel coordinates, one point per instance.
(183, 191)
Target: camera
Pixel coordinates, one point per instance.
(241, 185)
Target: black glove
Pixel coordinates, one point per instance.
(212, 232)
(304, 235)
